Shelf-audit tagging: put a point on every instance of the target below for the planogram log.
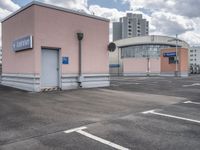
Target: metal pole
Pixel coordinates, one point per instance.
(176, 73)
(118, 61)
(80, 78)
(80, 59)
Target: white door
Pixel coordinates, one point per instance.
(50, 68)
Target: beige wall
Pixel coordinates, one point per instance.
(58, 29)
(18, 26)
(53, 28)
(139, 65)
(155, 65)
(134, 65)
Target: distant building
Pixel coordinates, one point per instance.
(130, 26)
(143, 56)
(195, 56)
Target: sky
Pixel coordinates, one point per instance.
(166, 17)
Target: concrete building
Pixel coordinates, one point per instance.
(195, 56)
(48, 47)
(141, 56)
(130, 26)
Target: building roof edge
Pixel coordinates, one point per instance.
(55, 8)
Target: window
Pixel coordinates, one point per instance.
(172, 60)
(138, 51)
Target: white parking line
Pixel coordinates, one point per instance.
(194, 84)
(190, 102)
(75, 129)
(170, 116)
(80, 131)
(102, 140)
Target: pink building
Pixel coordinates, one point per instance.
(47, 47)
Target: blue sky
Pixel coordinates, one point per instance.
(103, 3)
(110, 4)
(21, 2)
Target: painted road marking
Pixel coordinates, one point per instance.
(194, 84)
(190, 102)
(80, 131)
(102, 140)
(75, 129)
(170, 116)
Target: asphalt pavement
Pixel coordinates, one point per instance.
(139, 113)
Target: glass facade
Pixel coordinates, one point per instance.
(138, 51)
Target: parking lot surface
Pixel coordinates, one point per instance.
(139, 113)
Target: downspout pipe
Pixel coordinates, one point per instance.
(80, 75)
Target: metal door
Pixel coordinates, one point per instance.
(50, 68)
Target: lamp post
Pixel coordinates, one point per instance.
(176, 73)
(80, 38)
(177, 57)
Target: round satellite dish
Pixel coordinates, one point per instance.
(112, 47)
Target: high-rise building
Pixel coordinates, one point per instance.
(131, 25)
(195, 56)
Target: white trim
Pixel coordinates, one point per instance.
(31, 82)
(23, 75)
(89, 81)
(27, 82)
(85, 75)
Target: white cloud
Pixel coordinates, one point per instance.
(81, 5)
(6, 8)
(8, 5)
(171, 24)
(170, 17)
(112, 14)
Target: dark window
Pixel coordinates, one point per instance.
(172, 60)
